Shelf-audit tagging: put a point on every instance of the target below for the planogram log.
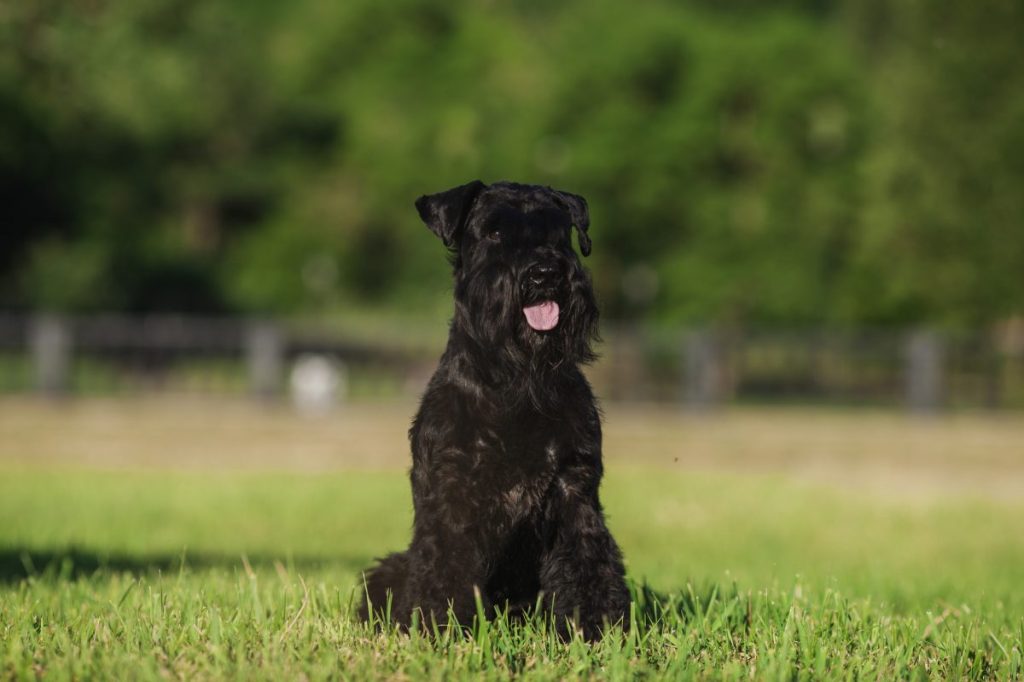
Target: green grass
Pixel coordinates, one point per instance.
(119, 575)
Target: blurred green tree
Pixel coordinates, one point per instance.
(943, 222)
(795, 162)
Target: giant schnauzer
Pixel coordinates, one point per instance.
(506, 446)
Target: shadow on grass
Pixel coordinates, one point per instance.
(724, 606)
(17, 564)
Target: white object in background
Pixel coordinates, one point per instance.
(317, 383)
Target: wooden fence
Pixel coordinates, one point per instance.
(923, 370)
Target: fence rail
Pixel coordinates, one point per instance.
(923, 370)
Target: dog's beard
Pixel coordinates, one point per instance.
(494, 311)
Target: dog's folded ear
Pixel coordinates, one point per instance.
(446, 212)
(580, 214)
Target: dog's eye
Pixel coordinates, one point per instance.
(494, 235)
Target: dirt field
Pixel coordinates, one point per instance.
(977, 454)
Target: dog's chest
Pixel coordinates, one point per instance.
(529, 483)
(516, 472)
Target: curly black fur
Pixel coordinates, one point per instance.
(507, 441)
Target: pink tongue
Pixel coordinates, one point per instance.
(543, 316)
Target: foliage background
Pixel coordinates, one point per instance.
(787, 163)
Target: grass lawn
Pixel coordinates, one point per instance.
(765, 545)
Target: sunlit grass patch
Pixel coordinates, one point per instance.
(124, 574)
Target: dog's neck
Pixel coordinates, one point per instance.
(505, 374)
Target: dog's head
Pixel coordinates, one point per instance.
(520, 289)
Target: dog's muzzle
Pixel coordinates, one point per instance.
(543, 275)
(541, 285)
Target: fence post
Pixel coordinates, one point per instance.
(627, 365)
(50, 342)
(924, 371)
(264, 354)
(703, 380)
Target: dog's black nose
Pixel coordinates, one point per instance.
(542, 273)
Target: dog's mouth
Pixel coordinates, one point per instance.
(542, 316)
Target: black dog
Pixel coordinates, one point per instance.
(507, 442)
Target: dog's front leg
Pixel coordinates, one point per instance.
(581, 572)
(446, 578)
